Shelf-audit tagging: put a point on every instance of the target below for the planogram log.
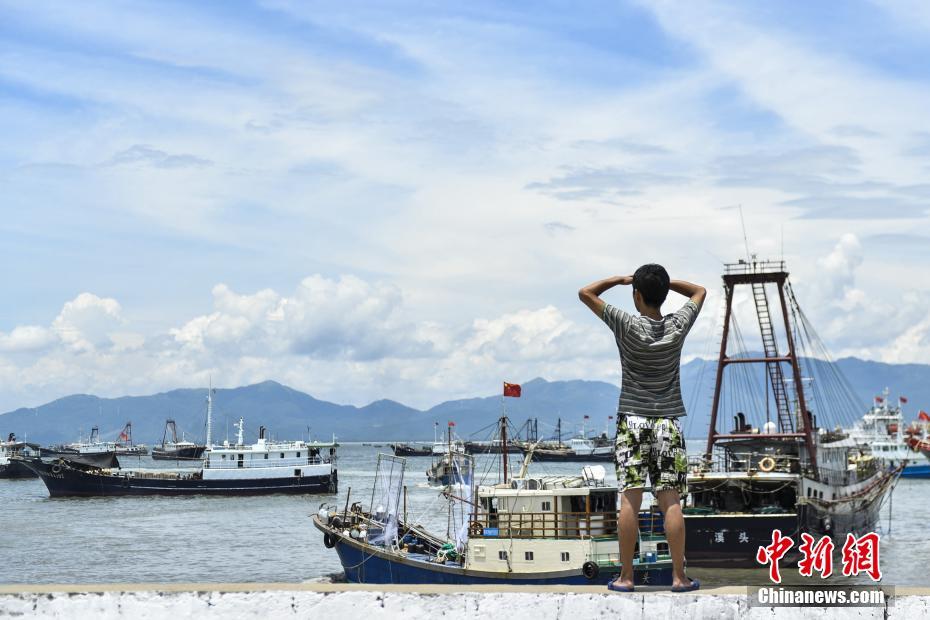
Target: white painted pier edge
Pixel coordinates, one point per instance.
(348, 602)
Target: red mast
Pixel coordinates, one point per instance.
(757, 274)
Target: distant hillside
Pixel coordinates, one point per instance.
(288, 412)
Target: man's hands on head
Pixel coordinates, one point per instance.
(695, 292)
(590, 294)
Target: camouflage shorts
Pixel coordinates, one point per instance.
(653, 446)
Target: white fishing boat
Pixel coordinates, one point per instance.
(882, 431)
(265, 466)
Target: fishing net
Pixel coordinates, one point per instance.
(385, 498)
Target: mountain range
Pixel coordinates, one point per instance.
(292, 414)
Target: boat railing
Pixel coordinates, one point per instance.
(731, 461)
(850, 475)
(754, 266)
(556, 525)
(213, 463)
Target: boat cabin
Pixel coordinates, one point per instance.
(552, 522)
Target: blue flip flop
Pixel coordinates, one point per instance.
(611, 586)
(695, 585)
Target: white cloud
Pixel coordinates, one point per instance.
(86, 322)
(26, 338)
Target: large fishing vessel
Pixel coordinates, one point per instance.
(266, 466)
(93, 452)
(11, 467)
(410, 449)
(125, 445)
(582, 448)
(775, 468)
(882, 430)
(529, 530)
(173, 449)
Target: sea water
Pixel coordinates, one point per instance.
(271, 538)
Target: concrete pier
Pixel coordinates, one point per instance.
(349, 601)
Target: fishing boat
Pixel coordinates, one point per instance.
(552, 530)
(882, 431)
(93, 452)
(407, 449)
(173, 449)
(125, 446)
(266, 466)
(578, 449)
(775, 468)
(10, 467)
(449, 462)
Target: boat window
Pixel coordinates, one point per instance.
(266, 455)
(298, 455)
(528, 556)
(297, 472)
(565, 556)
(282, 455)
(546, 506)
(603, 502)
(502, 555)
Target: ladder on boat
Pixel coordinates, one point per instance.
(770, 344)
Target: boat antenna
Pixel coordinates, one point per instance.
(742, 221)
(210, 391)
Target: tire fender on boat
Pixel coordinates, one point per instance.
(56, 468)
(329, 540)
(590, 570)
(766, 464)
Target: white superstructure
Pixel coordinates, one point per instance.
(881, 429)
(268, 459)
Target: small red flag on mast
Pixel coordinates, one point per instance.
(923, 416)
(451, 423)
(512, 390)
(903, 399)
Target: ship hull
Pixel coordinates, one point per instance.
(190, 453)
(731, 540)
(15, 469)
(401, 450)
(916, 471)
(90, 459)
(571, 457)
(65, 481)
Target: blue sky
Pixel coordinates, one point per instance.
(400, 200)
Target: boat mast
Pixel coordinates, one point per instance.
(757, 274)
(209, 414)
(504, 454)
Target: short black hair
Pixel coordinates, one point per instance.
(652, 282)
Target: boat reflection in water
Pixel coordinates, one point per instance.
(783, 472)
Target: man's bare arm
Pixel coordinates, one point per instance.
(590, 294)
(696, 292)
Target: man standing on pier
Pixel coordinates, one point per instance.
(649, 438)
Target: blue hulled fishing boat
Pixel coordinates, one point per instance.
(555, 530)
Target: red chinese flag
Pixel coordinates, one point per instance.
(123, 436)
(512, 390)
(923, 416)
(879, 399)
(903, 399)
(451, 423)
